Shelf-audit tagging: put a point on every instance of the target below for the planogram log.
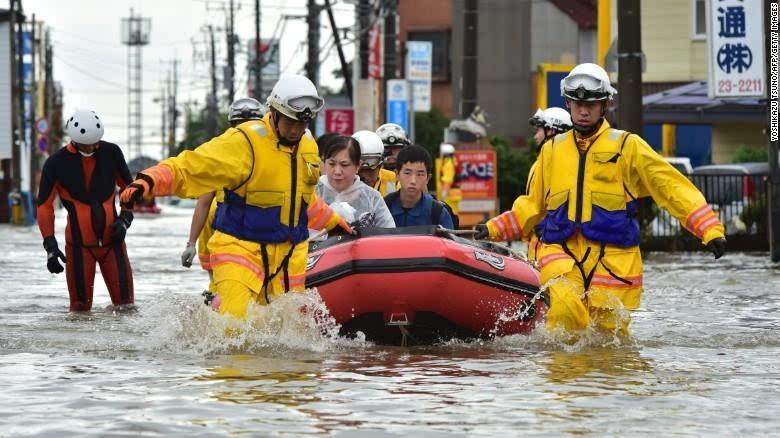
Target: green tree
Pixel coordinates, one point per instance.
(747, 154)
(513, 167)
(196, 127)
(429, 133)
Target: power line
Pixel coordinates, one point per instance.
(86, 73)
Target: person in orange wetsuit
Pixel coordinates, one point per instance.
(85, 174)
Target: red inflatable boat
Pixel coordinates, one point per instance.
(423, 285)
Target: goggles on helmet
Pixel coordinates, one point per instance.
(371, 162)
(301, 103)
(583, 94)
(392, 140)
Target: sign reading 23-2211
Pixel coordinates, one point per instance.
(735, 38)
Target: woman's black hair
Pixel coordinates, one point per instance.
(323, 141)
(338, 144)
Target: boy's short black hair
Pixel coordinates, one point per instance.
(414, 154)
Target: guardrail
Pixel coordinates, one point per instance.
(741, 202)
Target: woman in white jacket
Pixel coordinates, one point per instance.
(342, 184)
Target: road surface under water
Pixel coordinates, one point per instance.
(702, 360)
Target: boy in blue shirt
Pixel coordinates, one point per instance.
(410, 205)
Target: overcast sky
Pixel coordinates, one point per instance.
(91, 63)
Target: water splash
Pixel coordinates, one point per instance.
(298, 321)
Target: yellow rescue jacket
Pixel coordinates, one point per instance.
(593, 187)
(386, 183)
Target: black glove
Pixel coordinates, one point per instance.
(53, 254)
(120, 226)
(481, 232)
(717, 246)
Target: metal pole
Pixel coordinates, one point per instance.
(469, 92)
(32, 148)
(629, 66)
(364, 10)
(313, 22)
(174, 111)
(231, 56)
(390, 49)
(258, 91)
(342, 59)
(212, 101)
(19, 137)
(772, 40)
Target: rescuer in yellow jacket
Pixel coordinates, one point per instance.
(582, 202)
(450, 192)
(267, 170)
(371, 159)
(549, 123)
(201, 229)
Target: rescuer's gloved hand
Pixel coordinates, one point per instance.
(188, 255)
(481, 232)
(53, 255)
(120, 226)
(717, 246)
(136, 191)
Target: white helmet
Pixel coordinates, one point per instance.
(246, 108)
(296, 97)
(371, 149)
(392, 135)
(558, 119)
(84, 127)
(537, 120)
(446, 149)
(587, 82)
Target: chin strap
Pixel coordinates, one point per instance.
(279, 139)
(585, 131)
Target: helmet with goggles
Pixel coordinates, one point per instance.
(557, 119)
(371, 149)
(392, 135)
(295, 96)
(587, 82)
(245, 108)
(537, 120)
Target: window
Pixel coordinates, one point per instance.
(699, 22)
(441, 51)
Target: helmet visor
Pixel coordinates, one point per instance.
(301, 103)
(371, 162)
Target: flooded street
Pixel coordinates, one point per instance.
(703, 360)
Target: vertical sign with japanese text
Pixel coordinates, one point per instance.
(340, 120)
(419, 70)
(735, 39)
(398, 103)
(477, 179)
(375, 52)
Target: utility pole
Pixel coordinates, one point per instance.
(364, 21)
(33, 146)
(164, 119)
(337, 40)
(258, 92)
(212, 99)
(629, 66)
(17, 79)
(49, 90)
(231, 55)
(469, 88)
(772, 34)
(313, 22)
(173, 110)
(391, 63)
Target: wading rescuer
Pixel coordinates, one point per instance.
(372, 156)
(201, 229)
(85, 174)
(267, 169)
(554, 121)
(583, 201)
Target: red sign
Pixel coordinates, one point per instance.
(375, 52)
(477, 171)
(340, 120)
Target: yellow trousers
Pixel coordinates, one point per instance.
(239, 276)
(615, 277)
